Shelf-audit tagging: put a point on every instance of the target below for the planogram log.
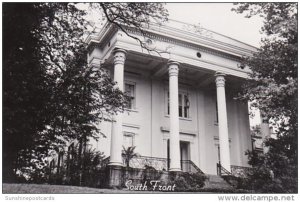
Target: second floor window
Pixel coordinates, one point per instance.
(217, 115)
(183, 105)
(130, 91)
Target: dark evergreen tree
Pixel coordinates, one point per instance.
(50, 94)
(25, 88)
(273, 88)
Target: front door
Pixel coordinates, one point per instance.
(184, 154)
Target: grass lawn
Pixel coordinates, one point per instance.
(58, 189)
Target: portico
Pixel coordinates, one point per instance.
(181, 92)
(119, 59)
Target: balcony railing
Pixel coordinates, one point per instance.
(240, 171)
(142, 162)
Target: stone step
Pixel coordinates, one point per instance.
(216, 182)
(215, 178)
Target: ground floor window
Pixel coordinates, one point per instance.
(128, 139)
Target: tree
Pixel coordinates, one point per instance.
(25, 88)
(50, 94)
(129, 153)
(273, 90)
(135, 15)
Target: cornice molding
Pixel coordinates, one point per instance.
(192, 63)
(154, 36)
(102, 38)
(216, 47)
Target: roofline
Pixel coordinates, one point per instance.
(212, 32)
(108, 27)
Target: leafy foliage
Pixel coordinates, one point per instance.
(84, 167)
(134, 15)
(274, 92)
(255, 131)
(25, 90)
(128, 154)
(80, 165)
(188, 182)
(50, 94)
(261, 177)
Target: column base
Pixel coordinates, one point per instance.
(115, 176)
(115, 164)
(175, 170)
(174, 174)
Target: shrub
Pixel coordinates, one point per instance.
(150, 173)
(187, 182)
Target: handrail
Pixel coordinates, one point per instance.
(236, 171)
(190, 166)
(142, 162)
(222, 171)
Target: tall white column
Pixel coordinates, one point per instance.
(117, 133)
(223, 124)
(174, 117)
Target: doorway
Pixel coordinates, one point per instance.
(184, 155)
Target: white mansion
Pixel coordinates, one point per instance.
(182, 104)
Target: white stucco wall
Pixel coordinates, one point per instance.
(201, 129)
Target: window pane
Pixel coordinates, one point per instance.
(186, 106)
(217, 115)
(183, 105)
(127, 88)
(180, 111)
(129, 91)
(180, 99)
(180, 105)
(168, 103)
(186, 112)
(128, 141)
(186, 100)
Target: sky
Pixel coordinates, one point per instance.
(218, 17)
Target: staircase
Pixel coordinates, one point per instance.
(190, 167)
(216, 182)
(213, 182)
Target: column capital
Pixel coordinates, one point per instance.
(173, 68)
(119, 56)
(220, 79)
(172, 62)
